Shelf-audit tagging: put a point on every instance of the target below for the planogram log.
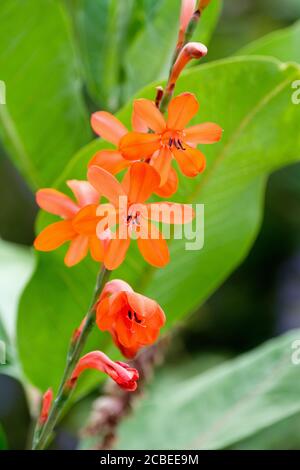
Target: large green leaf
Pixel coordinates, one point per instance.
(218, 408)
(44, 120)
(261, 133)
(282, 44)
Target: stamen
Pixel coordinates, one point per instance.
(129, 314)
(136, 318)
(180, 145)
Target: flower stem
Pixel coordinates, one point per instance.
(169, 90)
(43, 435)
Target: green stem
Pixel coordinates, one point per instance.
(42, 436)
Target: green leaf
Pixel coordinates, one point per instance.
(282, 44)
(218, 408)
(100, 32)
(254, 107)
(44, 120)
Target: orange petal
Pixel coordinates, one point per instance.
(116, 253)
(78, 249)
(191, 161)
(146, 308)
(54, 236)
(136, 145)
(150, 114)
(170, 212)
(137, 123)
(106, 184)
(85, 221)
(84, 192)
(144, 180)
(108, 127)
(181, 110)
(57, 203)
(110, 160)
(96, 248)
(206, 133)
(161, 161)
(170, 187)
(154, 250)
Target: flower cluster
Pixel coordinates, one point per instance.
(112, 207)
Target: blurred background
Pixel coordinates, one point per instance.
(260, 300)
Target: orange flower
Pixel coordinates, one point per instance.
(78, 226)
(125, 376)
(111, 129)
(134, 217)
(132, 319)
(170, 138)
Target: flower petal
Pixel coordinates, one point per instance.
(154, 250)
(144, 180)
(150, 114)
(85, 221)
(54, 236)
(57, 203)
(146, 308)
(181, 110)
(161, 161)
(206, 133)
(116, 253)
(84, 192)
(78, 249)
(108, 127)
(96, 248)
(136, 145)
(191, 161)
(171, 185)
(110, 160)
(170, 212)
(106, 184)
(137, 123)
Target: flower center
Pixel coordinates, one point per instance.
(172, 139)
(133, 316)
(133, 218)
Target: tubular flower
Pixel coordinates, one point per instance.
(126, 377)
(187, 9)
(133, 216)
(78, 226)
(132, 319)
(171, 138)
(46, 405)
